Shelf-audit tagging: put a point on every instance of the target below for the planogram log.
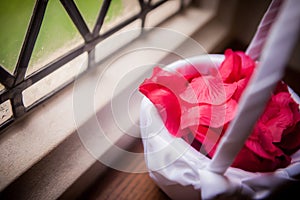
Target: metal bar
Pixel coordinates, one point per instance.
(30, 39)
(141, 2)
(143, 12)
(77, 19)
(91, 58)
(147, 7)
(157, 4)
(6, 78)
(5, 95)
(101, 17)
(181, 5)
(17, 104)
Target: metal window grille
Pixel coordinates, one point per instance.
(15, 84)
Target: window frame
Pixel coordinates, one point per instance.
(15, 84)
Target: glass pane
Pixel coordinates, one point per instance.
(124, 36)
(89, 9)
(64, 74)
(5, 111)
(162, 12)
(14, 19)
(57, 36)
(119, 10)
(1, 87)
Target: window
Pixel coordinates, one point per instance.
(46, 43)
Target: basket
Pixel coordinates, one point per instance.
(178, 168)
(184, 173)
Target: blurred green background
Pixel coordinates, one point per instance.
(57, 35)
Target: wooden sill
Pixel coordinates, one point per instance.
(121, 185)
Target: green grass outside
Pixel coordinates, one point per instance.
(56, 32)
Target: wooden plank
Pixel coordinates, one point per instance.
(122, 185)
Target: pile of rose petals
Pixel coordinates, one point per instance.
(204, 105)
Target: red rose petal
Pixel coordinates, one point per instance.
(161, 91)
(208, 89)
(209, 137)
(230, 68)
(241, 85)
(209, 115)
(199, 132)
(290, 141)
(188, 72)
(249, 161)
(167, 79)
(281, 87)
(167, 105)
(278, 115)
(260, 142)
(283, 120)
(283, 99)
(247, 64)
(259, 152)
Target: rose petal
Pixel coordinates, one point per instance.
(290, 141)
(260, 142)
(209, 115)
(278, 115)
(283, 120)
(161, 91)
(166, 103)
(247, 64)
(282, 99)
(259, 153)
(230, 68)
(249, 161)
(188, 72)
(167, 79)
(208, 137)
(241, 85)
(281, 87)
(208, 89)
